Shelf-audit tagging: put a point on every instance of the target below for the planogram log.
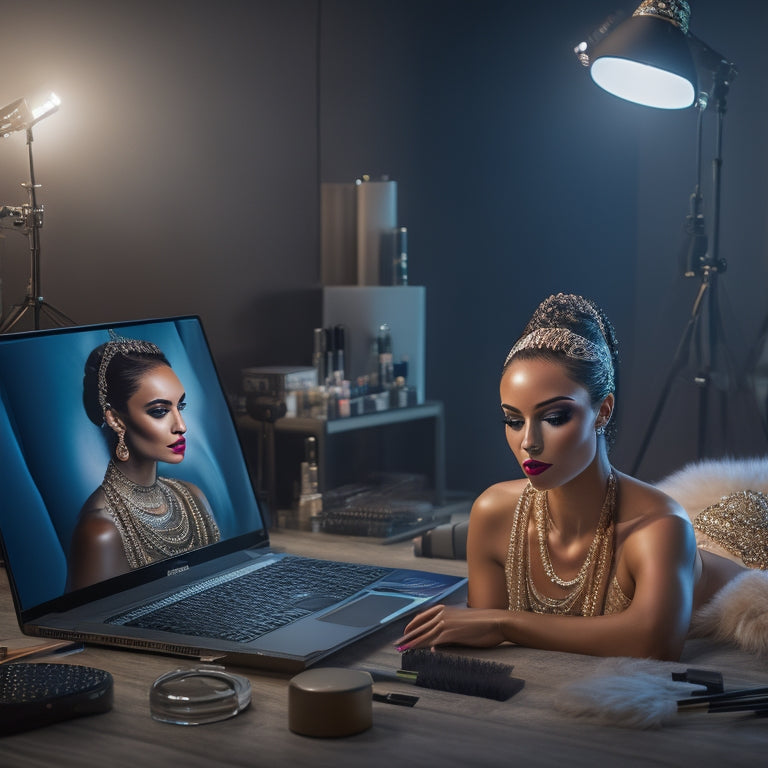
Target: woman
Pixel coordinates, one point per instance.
(577, 557)
(135, 517)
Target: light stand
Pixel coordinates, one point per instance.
(704, 260)
(32, 221)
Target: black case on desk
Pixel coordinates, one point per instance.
(34, 695)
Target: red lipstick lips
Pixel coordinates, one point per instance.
(533, 467)
(179, 446)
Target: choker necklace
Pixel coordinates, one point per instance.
(144, 498)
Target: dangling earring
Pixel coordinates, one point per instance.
(600, 430)
(121, 449)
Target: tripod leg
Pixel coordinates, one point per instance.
(14, 316)
(38, 308)
(56, 315)
(681, 356)
(654, 420)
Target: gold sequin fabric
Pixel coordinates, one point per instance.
(615, 599)
(739, 524)
(155, 522)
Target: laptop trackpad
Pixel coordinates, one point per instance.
(368, 610)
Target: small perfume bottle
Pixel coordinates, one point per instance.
(310, 500)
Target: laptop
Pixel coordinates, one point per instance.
(52, 458)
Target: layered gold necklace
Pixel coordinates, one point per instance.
(587, 587)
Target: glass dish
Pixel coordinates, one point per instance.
(199, 695)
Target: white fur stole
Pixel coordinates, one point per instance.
(626, 692)
(738, 613)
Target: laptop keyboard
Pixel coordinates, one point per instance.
(260, 600)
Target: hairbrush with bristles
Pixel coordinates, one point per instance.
(454, 674)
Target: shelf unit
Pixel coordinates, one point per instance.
(410, 440)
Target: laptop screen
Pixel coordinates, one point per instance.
(53, 457)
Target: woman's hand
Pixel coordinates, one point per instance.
(441, 625)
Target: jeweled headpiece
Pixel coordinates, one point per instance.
(118, 345)
(570, 344)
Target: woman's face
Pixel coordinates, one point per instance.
(550, 421)
(154, 428)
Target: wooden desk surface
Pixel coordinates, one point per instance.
(441, 730)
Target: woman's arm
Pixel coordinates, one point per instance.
(96, 552)
(487, 543)
(659, 558)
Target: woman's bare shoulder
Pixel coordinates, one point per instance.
(648, 518)
(95, 518)
(96, 551)
(640, 501)
(497, 503)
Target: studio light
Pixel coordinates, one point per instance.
(17, 116)
(647, 59)
(653, 59)
(48, 107)
(14, 117)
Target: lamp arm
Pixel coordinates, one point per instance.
(713, 64)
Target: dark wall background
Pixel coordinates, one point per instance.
(182, 175)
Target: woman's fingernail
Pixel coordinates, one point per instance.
(401, 648)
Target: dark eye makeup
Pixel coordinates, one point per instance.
(554, 418)
(559, 417)
(158, 411)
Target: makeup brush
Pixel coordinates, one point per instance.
(454, 674)
(749, 704)
(740, 700)
(738, 693)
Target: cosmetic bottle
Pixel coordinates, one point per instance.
(345, 397)
(386, 376)
(310, 499)
(400, 271)
(339, 343)
(398, 394)
(318, 355)
(372, 371)
(400, 369)
(330, 356)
